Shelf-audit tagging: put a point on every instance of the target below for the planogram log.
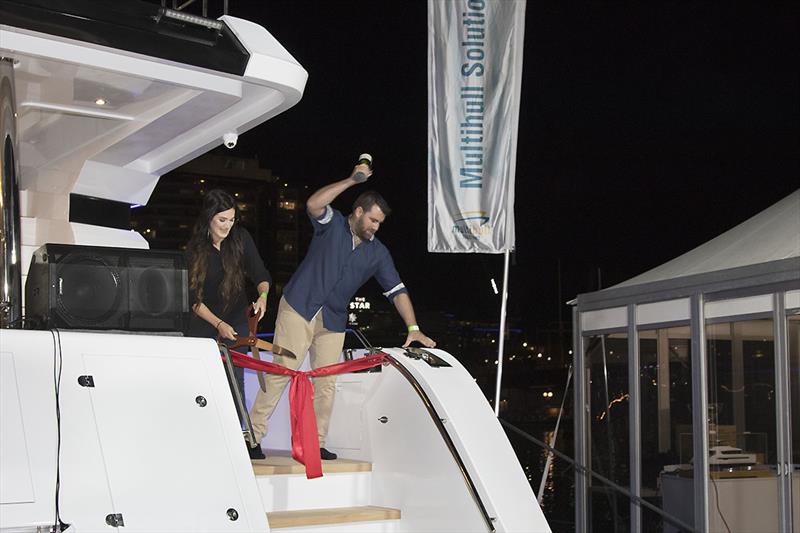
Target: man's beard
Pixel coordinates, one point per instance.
(360, 230)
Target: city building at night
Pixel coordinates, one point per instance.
(269, 209)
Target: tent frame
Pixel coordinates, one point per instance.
(775, 278)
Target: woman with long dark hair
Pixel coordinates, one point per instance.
(221, 256)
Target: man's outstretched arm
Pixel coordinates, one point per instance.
(323, 197)
(403, 304)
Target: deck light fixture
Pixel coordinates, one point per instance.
(191, 19)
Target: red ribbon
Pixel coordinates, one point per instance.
(305, 440)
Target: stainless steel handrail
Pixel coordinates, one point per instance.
(437, 421)
(10, 230)
(238, 398)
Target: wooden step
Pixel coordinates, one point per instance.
(338, 515)
(278, 463)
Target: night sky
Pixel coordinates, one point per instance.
(645, 130)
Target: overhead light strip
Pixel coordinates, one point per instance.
(76, 110)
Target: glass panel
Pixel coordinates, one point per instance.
(665, 375)
(743, 485)
(793, 336)
(607, 393)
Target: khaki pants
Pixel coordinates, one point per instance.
(299, 336)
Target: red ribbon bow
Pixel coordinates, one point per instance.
(305, 443)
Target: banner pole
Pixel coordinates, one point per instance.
(504, 299)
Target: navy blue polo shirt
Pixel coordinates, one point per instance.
(333, 271)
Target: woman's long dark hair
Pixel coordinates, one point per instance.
(231, 250)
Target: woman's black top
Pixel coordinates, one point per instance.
(254, 270)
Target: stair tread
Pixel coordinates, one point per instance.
(281, 462)
(337, 515)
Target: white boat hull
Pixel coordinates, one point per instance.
(142, 443)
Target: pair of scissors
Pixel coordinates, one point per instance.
(255, 344)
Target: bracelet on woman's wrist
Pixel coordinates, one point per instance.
(218, 323)
(413, 327)
(263, 295)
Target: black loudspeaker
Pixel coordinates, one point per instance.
(92, 287)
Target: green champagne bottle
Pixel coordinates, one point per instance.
(363, 159)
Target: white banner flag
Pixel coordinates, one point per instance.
(474, 77)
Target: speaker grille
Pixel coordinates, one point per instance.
(153, 291)
(89, 290)
(155, 285)
(90, 287)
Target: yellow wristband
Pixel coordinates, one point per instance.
(413, 327)
(263, 295)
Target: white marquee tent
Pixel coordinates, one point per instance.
(696, 358)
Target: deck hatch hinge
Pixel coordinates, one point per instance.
(424, 355)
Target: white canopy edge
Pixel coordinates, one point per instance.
(771, 235)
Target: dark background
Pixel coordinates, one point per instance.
(645, 130)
